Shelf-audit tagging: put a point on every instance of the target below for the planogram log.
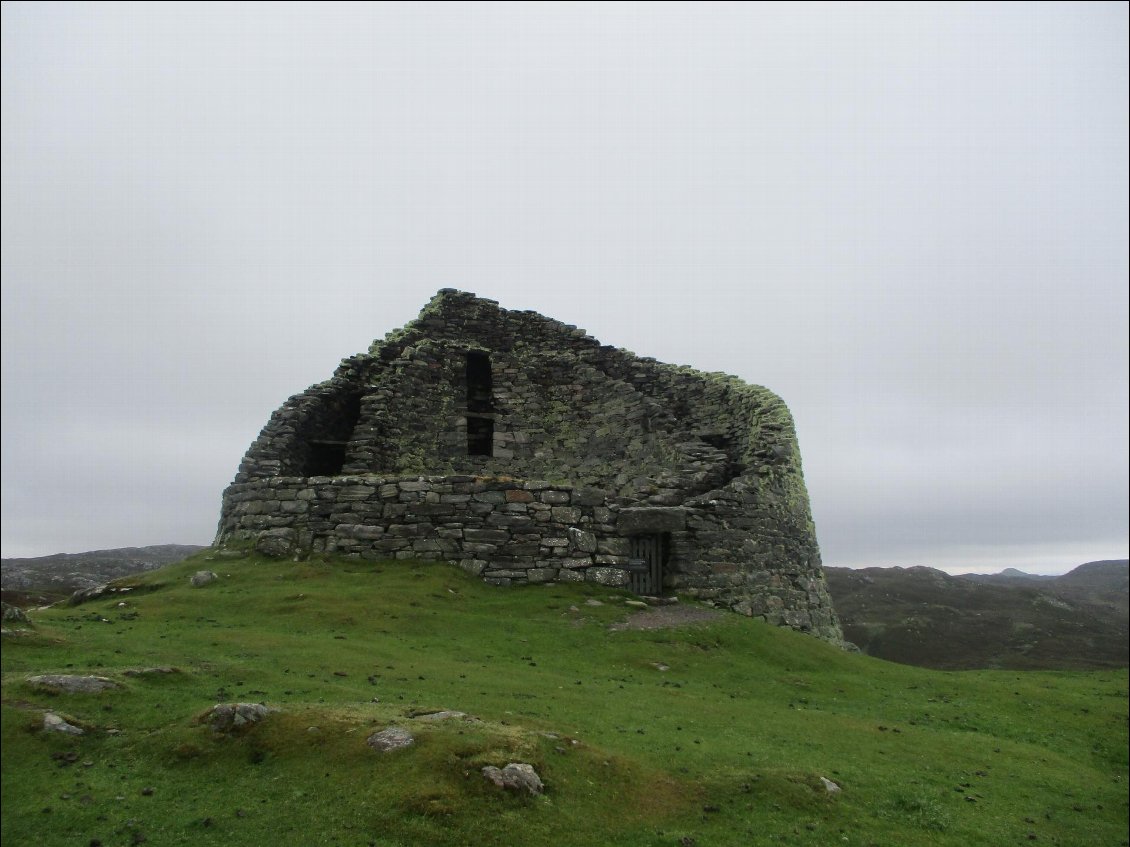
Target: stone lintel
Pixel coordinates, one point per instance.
(645, 520)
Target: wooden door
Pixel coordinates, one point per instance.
(651, 549)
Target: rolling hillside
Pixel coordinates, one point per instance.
(45, 579)
(720, 732)
(922, 616)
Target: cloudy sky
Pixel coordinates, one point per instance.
(910, 221)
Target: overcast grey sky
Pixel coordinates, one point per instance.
(910, 221)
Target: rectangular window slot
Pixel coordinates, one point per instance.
(480, 405)
(480, 384)
(480, 436)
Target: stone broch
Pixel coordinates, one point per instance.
(526, 451)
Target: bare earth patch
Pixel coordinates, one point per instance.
(664, 617)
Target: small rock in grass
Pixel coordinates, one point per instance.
(829, 786)
(14, 614)
(393, 738)
(446, 714)
(516, 776)
(70, 684)
(235, 717)
(53, 723)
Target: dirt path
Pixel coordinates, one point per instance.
(663, 617)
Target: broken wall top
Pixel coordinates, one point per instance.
(564, 407)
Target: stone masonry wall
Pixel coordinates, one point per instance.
(589, 446)
(513, 532)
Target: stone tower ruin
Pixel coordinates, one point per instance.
(526, 451)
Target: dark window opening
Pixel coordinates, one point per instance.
(480, 391)
(480, 385)
(480, 437)
(326, 448)
(326, 458)
(718, 441)
(723, 442)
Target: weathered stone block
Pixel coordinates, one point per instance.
(613, 546)
(359, 531)
(602, 559)
(356, 492)
(584, 542)
(432, 509)
(607, 576)
(487, 536)
(577, 562)
(590, 496)
(648, 520)
(479, 549)
(515, 522)
(277, 543)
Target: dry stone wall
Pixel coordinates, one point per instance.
(526, 451)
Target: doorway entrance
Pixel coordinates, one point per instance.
(649, 553)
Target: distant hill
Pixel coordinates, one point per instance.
(1103, 583)
(1008, 575)
(922, 616)
(44, 579)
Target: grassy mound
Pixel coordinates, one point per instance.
(711, 734)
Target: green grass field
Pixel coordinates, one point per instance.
(711, 734)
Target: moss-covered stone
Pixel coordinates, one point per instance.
(474, 401)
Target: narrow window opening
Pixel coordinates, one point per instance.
(718, 440)
(480, 385)
(480, 405)
(480, 437)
